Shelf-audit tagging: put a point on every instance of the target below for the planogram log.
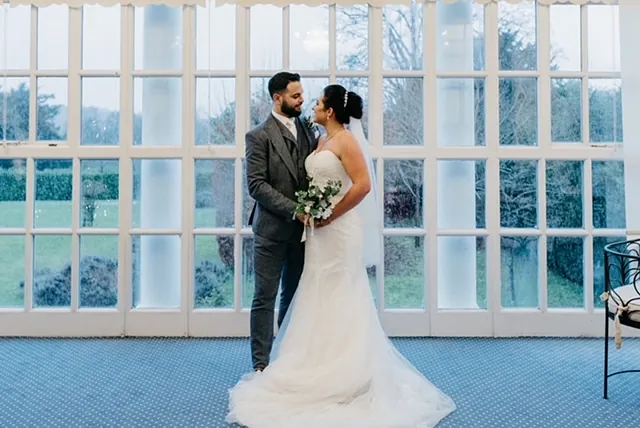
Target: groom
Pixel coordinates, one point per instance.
(275, 155)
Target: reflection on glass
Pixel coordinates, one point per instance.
(216, 37)
(309, 37)
(98, 271)
(13, 193)
(157, 193)
(518, 111)
(157, 110)
(604, 38)
(156, 271)
(404, 272)
(462, 272)
(605, 111)
(518, 193)
(52, 109)
(99, 193)
(215, 121)
(214, 272)
(564, 194)
(215, 193)
(608, 195)
(14, 119)
(266, 40)
(403, 194)
(53, 37)
(519, 265)
(461, 194)
(13, 267)
(403, 118)
(53, 193)
(461, 112)
(165, 50)
(565, 272)
(566, 110)
(100, 52)
(100, 111)
(461, 36)
(51, 271)
(352, 38)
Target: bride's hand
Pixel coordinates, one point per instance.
(322, 223)
(304, 219)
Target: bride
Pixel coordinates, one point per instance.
(332, 364)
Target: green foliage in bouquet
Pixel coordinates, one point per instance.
(317, 201)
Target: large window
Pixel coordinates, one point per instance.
(495, 130)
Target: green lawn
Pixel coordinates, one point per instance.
(403, 285)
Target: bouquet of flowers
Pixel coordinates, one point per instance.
(317, 201)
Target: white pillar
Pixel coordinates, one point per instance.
(456, 180)
(161, 190)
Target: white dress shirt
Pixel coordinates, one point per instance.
(288, 122)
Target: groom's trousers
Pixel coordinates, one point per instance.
(273, 262)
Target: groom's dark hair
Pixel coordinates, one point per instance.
(279, 82)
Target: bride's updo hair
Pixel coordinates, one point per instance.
(345, 104)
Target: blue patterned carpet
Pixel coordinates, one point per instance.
(514, 383)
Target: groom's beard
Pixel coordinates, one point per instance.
(290, 111)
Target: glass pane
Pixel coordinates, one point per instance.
(462, 272)
(216, 37)
(566, 110)
(157, 109)
(52, 271)
(248, 280)
(52, 109)
(461, 194)
(309, 41)
(156, 270)
(53, 37)
(599, 242)
(14, 122)
(99, 194)
(313, 89)
(403, 193)
(157, 193)
(608, 195)
(566, 26)
(517, 35)
(100, 111)
(564, 194)
(519, 264)
(163, 26)
(216, 112)
(605, 111)
(359, 85)
(100, 51)
(519, 111)
(604, 38)
(518, 193)
(404, 276)
(461, 112)
(13, 193)
(215, 193)
(54, 190)
(98, 271)
(12, 266)
(261, 105)
(402, 31)
(352, 38)
(403, 112)
(266, 39)
(565, 272)
(214, 272)
(16, 27)
(461, 36)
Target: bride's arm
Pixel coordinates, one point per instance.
(355, 165)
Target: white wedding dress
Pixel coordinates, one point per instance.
(332, 365)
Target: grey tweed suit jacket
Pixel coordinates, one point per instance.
(273, 177)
